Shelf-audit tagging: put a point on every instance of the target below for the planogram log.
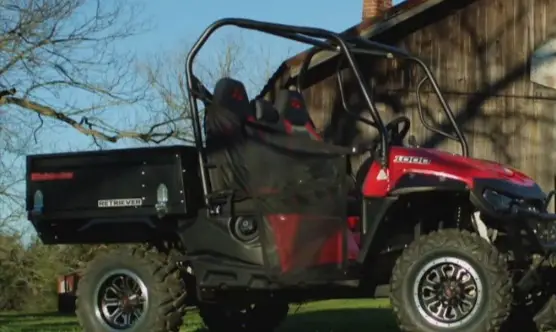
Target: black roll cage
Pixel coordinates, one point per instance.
(321, 39)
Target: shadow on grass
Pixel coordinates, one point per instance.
(42, 327)
(32, 322)
(338, 320)
(12, 316)
(16, 317)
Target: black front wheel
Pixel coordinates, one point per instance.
(452, 281)
(260, 317)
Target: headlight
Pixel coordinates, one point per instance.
(498, 201)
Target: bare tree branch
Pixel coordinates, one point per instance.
(106, 132)
(64, 59)
(50, 48)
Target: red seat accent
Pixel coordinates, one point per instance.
(291, 107)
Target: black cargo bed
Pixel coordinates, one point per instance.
(76, 190)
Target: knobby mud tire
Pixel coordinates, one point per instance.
(485, 259)
(161, 276)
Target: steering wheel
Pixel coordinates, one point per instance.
(395, 134)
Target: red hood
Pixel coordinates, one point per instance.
(459, 167)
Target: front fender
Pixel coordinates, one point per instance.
(376, 209)
(417, 182)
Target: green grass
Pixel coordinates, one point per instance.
(325, 316)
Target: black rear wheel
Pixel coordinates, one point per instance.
(260, 317)
(451, 280)
(131, 290)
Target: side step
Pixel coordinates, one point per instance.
(348, 283)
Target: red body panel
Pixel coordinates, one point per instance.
(312, 252)
(441, 164)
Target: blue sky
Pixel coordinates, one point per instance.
(176, 20)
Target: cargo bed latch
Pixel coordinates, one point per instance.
(38, 203)
(161, 205)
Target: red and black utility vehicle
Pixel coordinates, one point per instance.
(255, 215)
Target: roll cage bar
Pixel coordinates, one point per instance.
(321, 39)
(370, 48)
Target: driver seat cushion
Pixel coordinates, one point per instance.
(224, 119)
(292, 108)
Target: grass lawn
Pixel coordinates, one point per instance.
(326, 316)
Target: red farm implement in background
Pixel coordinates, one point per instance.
(67, 288)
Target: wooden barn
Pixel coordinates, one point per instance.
(495, 61)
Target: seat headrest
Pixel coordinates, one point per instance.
(231, 94)
(265, 111)
(291, 106)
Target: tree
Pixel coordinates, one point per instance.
(59, 59)
(30, 272)
(27, 274)
(62, 59)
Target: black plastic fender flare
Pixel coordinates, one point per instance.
(374, 209)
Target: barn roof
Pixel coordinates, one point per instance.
(368, 28)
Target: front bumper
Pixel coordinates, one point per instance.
(540, 215)
(524, 213)
(528, 216)
(539, 224)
